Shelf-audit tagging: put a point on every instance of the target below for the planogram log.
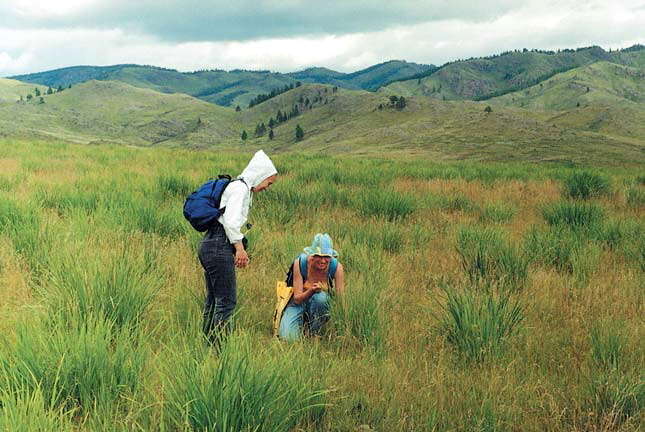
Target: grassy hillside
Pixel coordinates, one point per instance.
(116, 112)
(486, 77)
(232, 88)
(334, 120)
(12, 90)
(480, 296)
(349, 121)
(598, 83)
(601, 97)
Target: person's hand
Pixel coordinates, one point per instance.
(241, 258)
(317, 287)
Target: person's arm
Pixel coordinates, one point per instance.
(300, 294)
(234, 218)
(339, 280)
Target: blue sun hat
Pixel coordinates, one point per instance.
(321, 246)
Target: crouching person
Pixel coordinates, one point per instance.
(317, 275)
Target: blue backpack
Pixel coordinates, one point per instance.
(201, 208)
(302, 259)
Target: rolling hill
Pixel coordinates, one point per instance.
(486, 77)
(593, 112)
(601, 97)
(12, 90)
(98, 111)
(351, 121)
(236, 87)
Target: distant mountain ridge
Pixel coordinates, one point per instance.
(232, 88)
(485, 77)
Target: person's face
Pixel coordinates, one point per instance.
(265, 183)
(321, 262)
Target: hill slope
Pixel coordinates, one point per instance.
(12, 90)
(351, 121)
(237, 87)
(117, 112)
(334, 120)
(486, 77)
(601, 97)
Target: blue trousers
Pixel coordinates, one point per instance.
(315, 311)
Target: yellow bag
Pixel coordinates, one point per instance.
(284, 293)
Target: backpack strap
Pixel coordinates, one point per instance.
(302, 259)
(331, 272)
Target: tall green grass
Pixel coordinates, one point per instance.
(566, 250)
(478, 326)
(497, 213)
(575, 215)
(117, 286)
(26, 410)
(586, 184)
(174, 186)
(488, 258)
(84, 365)
(244, 388)
(385, 203)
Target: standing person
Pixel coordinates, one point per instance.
(222, 249)
(316, 275)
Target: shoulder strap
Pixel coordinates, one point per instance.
(333, 265)
(302, 258)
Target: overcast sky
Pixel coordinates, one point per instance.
(290, 35)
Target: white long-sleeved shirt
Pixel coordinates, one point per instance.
(237, 201)
(237, 195)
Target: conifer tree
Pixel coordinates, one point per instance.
(271, 134)
(36, 91)
(300, 134)
(244, 135)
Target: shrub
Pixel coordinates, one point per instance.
(478, 326)
(243, 389)
(487, 258)
(585, 184)
(575, 215)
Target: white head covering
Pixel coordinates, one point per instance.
(259, 168)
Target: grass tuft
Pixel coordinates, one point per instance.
(478, 326)
(586, 184)
(575, 215)
(487, 258)
(244, 389)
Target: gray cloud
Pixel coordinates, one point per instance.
(198, 20)
(42, 39)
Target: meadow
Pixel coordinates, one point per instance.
(482, 296)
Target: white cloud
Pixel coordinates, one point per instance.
(544, 25)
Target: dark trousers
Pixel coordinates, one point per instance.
(216, 256)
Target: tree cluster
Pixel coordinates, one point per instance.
(273, 93)
(398, 102)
